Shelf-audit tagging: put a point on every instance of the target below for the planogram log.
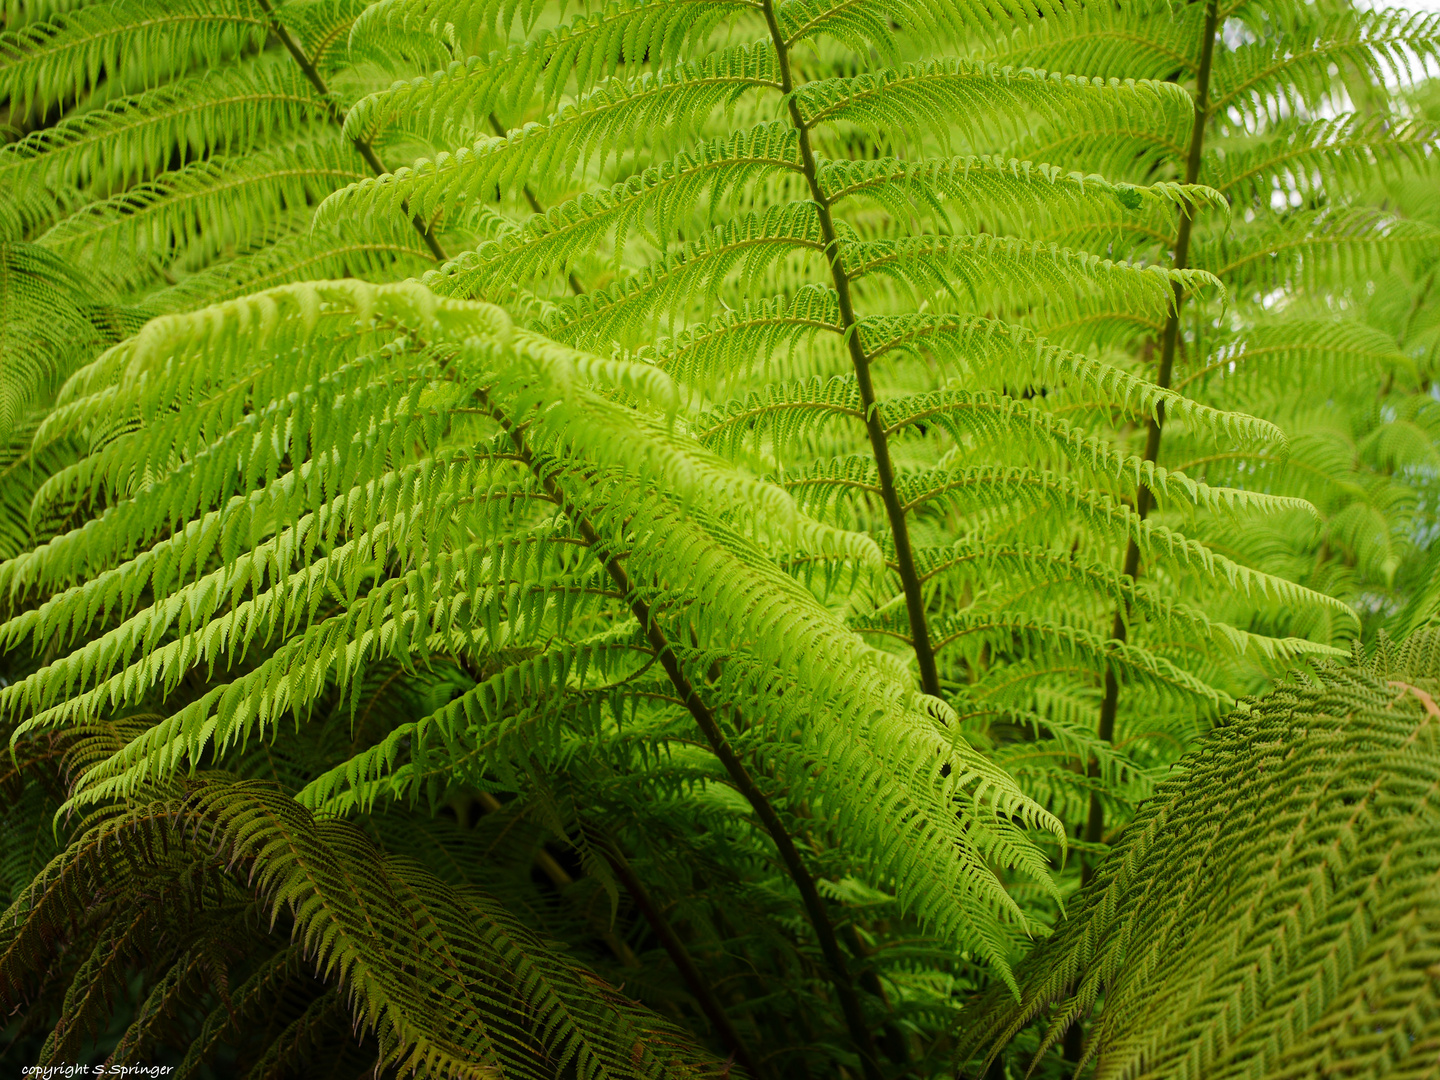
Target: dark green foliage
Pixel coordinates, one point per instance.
(231, 891)
(1274, 910)
(50, 315)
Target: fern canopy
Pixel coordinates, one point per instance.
(655, 537)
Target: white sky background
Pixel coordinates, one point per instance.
(1417, 6)
(1408, 5)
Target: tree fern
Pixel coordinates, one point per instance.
(1255, 136)
(480, 575)
(769, 556)
(417, 958)
(976, 271)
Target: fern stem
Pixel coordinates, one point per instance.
(893, 1039)
(1144, 498)
(620, 949)
(363, 148)
(669, 939)
(840, 977)
(561, 879)
(679, 956)
(536, 206)
(874, 425)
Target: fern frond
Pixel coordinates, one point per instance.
(985, 186)
(626, 311)
(980, 271)
(49, 317)
(605, 117)
(137, 45)
(200, 210)
(1317, 247)
(571, 58)
(650, 203)
(1194, 989)
(1377, 44)
(974, 488)
(1309, 157)
(745, 337)
(785, 414)
(862, 25)
(982, 100)
(366, 921)
(863, 502)
(133, 138)
(1010, 572)
(374, 253)
(987, 347)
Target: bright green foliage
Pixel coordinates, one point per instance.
(1326, 269)
(462, 525)
(189, 149)
(738, 501)
(50, 318)
(1273, 911)
(48, 313)
(405, 530)
(943, 211)
(1293, 135)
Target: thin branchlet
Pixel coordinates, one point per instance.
(1155, 426)
(337, 116)
(710, 727)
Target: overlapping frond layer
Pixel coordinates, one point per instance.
(51, 320)
(748, 236)
(800, 543)
(441, 977)
(736, 259)
(1271, 911)
(166, 144)
(1316, 246)
(362, 470)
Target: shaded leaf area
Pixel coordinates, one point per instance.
(1274, 911)
(307, 941)
(47, 309)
